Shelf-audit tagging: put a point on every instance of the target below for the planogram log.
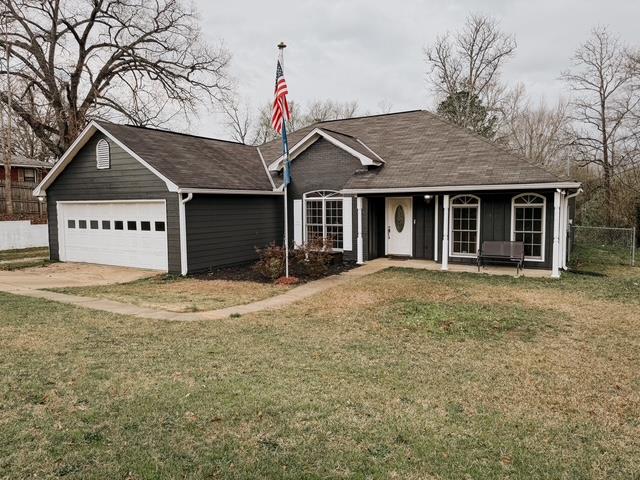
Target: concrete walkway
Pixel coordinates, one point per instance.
(279, 301)
(29, 284)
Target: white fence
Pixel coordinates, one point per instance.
(22, 234)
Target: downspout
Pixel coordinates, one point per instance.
(183, 231)
(566, 223)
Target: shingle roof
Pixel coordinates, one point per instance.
(195, 162)
(21, 161)
(422, 150)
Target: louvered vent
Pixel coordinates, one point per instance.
(103, 159)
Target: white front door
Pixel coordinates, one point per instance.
(128, 233)
(399, 226)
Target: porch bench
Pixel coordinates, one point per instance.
(501, 252)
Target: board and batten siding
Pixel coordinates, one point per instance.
(323, 166)
(495, 222)
(227, 229)
(126, 179)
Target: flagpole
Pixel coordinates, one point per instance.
(281, 47)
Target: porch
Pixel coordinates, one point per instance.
(419, 264)
(438, 230)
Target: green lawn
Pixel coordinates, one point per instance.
(403, 374)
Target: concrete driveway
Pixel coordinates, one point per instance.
(69, 275)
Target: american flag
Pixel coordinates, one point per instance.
(280, 105)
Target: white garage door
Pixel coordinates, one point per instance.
(129, 234)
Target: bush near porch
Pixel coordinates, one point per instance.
(401, 374)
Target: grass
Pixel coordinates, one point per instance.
(22, 264)
(402, 374)
(594, 257)
(23, 253)
(178, 294)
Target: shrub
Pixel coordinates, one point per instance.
(270, 262)
(313, 258)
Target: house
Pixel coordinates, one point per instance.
(26, 173)
(405, 184)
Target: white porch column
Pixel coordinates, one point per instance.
(555, 268)
(360, 256)
(445, 233)
(435, 229)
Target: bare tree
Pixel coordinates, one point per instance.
(140, 60)
(323, 110)
(7, 129)
(605, 97)
(464, 68)
(256, 130)
(537, 131)
(238, 119)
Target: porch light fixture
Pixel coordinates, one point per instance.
(428, 198)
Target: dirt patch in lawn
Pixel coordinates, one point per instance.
(178, 294)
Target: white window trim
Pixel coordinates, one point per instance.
(451, 218)
(324, 198)
(514, 203)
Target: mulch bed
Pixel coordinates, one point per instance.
(245, 272)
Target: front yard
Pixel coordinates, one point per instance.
(178, 294)
(401, 374)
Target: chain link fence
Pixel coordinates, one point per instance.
(602, 246)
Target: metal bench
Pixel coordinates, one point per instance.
(501, 252)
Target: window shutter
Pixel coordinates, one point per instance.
(103, 159)
(347, 223)
(297, 222)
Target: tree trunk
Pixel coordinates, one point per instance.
(8, 197)
(608, 194)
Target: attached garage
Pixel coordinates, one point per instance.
(126, 233)
(146, 198)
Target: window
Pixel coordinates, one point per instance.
(131, 225)
(160, 227)
(82, 224)
(71, 223)
(93, 224)
(323, 217)
(145, 226)
(527, 224)
(103, 155)
(29, 175)
(106, 224)
(118, 225)
(465, 222)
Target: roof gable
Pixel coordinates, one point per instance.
(183, 162)
(348, 143)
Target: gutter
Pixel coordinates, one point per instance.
(182, 214)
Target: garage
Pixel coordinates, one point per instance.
(123, 233)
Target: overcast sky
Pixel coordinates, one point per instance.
(372, 50)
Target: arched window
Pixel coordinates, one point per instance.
(103, 156)
(323, 217)
(528, 213)
(465, 226)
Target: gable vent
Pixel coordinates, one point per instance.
(103, 159)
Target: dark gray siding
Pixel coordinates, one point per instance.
(423, 231)
(323, 166)
(495, 223)
(127, 179)
(227, 229)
